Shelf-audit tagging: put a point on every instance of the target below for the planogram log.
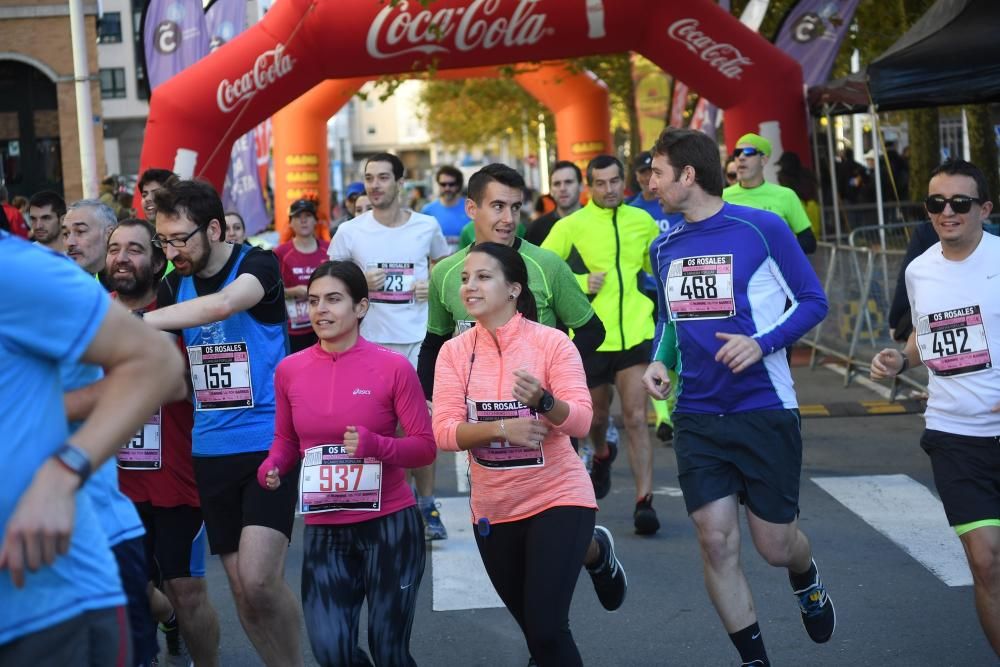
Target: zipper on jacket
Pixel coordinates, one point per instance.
(621, 284)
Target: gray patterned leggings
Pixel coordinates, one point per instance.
(381, 559)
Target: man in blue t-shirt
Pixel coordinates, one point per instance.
(723, 280)
(61, 597)
(449, 209)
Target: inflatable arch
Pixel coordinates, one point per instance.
(578, 101)
(195, 116)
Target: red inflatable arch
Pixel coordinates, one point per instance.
(578, 101)
(195, 116)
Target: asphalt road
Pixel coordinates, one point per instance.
(892, 610)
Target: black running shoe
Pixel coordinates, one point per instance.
(609, 578)
(644, 517)
(600, 471)
(818, 615)
(665, 432)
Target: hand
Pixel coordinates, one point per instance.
(351, 440)
(527, 389)
(420, 290)
(525, 432)
(739, 352)
(375, 279)
(886, 364)
(267, 475)
(42, 523)
(656, 381)
(595, 281)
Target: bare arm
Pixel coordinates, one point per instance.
(242, 294)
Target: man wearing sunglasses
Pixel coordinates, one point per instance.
(954, 291)
(449, 209)
(751, 154)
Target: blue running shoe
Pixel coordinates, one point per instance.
(818, 614)
(433, 528)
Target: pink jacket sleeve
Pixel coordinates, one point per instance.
(568, 383)
(285, 446)
(416, 448)
(449, 402)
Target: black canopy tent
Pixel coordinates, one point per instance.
(950, 56)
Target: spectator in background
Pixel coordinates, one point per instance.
(354, 190)
(11, 218)
(418, 198)
(21, 204)
(109, 194)
(449, 208)
(125, 209)
(236, 229)
(793, 175)
(362, 205)
(731, 175)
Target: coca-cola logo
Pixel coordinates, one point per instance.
(722, 56)
(267, 69)
(396, 30)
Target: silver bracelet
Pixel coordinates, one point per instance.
(503, 430)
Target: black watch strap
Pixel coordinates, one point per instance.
(546, 402)
(75, 459)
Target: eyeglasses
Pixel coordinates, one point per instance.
(159, 241)
(448, 184)
(731, 175)
(748, 151)
(960, 204)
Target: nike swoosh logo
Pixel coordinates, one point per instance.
(993, 276)
(755, 636)
(403, 588)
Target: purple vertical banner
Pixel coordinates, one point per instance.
(811, 33)
(241, 191)
(174, 37)
(225, 19)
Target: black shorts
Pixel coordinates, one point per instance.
(755, 455)
(601, 367)
(231, 498)
(175, 541)
(131, 558)
(966, 474)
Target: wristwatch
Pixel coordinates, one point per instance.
(75, 459)
(546, 402)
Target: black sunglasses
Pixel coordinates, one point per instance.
(748, 151)
(960, 204)
(448, 184)
(731, 175)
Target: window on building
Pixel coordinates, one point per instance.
(371, 129)
(109, 28)
(112, 83)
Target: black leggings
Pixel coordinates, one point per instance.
(382, 559)
(534, 564)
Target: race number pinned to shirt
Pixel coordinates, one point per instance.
(399, 283)
(220, 376)
(701, 288)
(501, 455)
(298, 313)
(333, 480)
(143, 452)
(953, 342)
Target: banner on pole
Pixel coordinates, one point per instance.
(174, 37)
(812, 32)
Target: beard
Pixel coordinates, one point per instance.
(137, 284)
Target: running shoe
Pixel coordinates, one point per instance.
(610, 582)
(433, 528)
(611, 433)
(177, 653)
(644, 517)
(600, 471)
(665, 432)
(818, 614)
(753, 663)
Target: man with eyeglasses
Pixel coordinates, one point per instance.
(955, 306)
(751, 154)
(449, 209)
(228, 303)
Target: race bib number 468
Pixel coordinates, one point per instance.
(701, 288)
(954, 342)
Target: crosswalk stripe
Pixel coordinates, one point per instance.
(910, 515)
(459, 578)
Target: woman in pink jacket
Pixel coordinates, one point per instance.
(511, 391)
(338, 404)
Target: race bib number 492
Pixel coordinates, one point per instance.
(954, 342)
(701, 288)
(220, 376)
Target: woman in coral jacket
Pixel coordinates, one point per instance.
(511, 391)
(338, 403)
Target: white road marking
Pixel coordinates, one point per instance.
(461, 471)
(862, 380)
(910, 515)
(459, 578)
(669, 491)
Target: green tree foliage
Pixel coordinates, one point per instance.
(983, 146)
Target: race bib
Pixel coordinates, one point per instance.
(220, 376)
(461, 326)
(298, 313)
(953, 342)
(701, 288)
(143, 452)
(399, 283)
(331, 480)
(501, 455)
